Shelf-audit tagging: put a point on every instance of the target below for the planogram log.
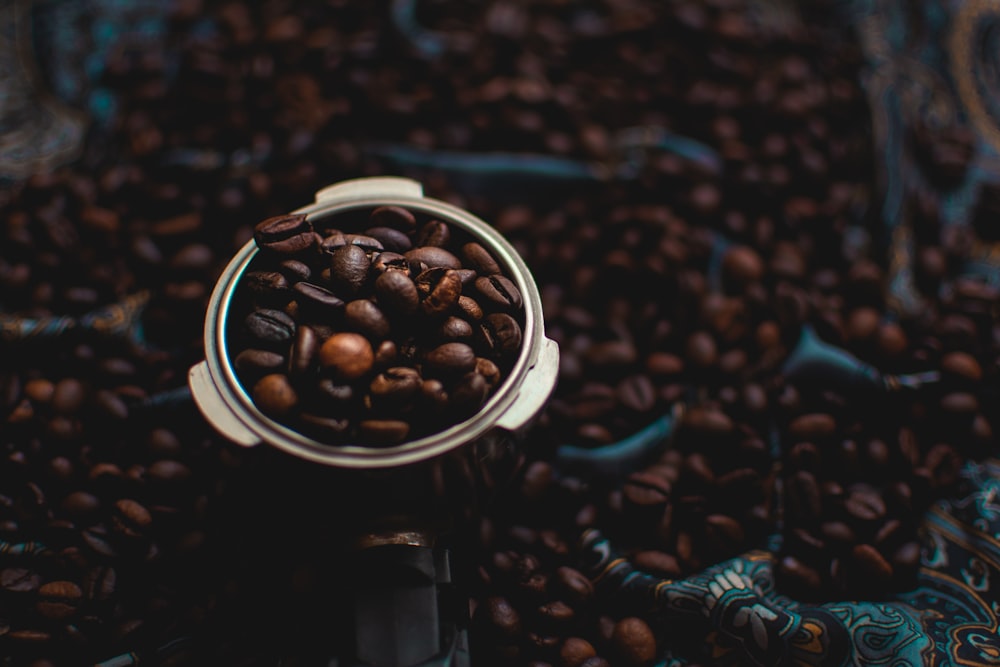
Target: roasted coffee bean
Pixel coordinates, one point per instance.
(439, 289)
(449, 360)
(390, 261)
(432, 256)
(395, 386)
(347, 356)
(499, 292)
(348, 269)
(302, 357)
(455, 329)
(469, 308)
(324, 427)
(469, 393)
(391, 239)
(365, 242)
(294, 270)
(394, 217)
(58, 600)
(634, 642)
(434, 234)
(286, 234)
(270, 288)
(317, 299)
(498, 617)
(572, 586)
(479, 258)
(19, 580)
(363, 316)
(575, 651)
(383, 431)
(130, 519)
(397, 292)
(275, 396)
(490, 372)
(270, 328)
(255, 363)
(500, 334)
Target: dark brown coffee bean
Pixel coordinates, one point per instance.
(723, 533)
(294, 270)
(316, 299)
(100, 584)
(646, 490)
(383, 431)
(434, 233)
(395, 386)
(68, 396)
(397, 293)
(490, 372)
(434, 396)
(812, 427)
(962, 365)
(270, 328)
(324, 427)
(275, 396)
(363, 316)
(637, 393)
(469, 393)
(386, 354)
(798, 579)
(390, 261)
(479, 258)
(367, 243)
(253, 363)
(804, 499)
(741, 266)
(302, 358)
(432, 256)
(80, 504)
(395, 217)
(555, 616)
(439, 290)
(391, 239)
(58, 600)
(286, 234)
(657, 563)
(347, 356)
(871, 563)
(838, 532)
(499, 619)
(500, 334)
(633, 641)
(455, 329)
(575, 651)
(449, 360)
(269, 288)
(19, 580)
(572, 586)
(701, 350)
(865, 507)
(499, 291)
(130, 518)
(469, 308)
(348, 270)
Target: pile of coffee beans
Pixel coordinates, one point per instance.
(375, 337)
(680, 281)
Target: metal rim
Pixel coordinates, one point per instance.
(359, 456)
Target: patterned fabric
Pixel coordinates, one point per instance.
(949, 619)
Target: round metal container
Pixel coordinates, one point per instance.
(227, 406)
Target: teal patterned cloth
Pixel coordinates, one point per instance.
(950, 618)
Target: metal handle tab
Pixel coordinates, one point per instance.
(214, 409)
(373, 187)
(538, 384)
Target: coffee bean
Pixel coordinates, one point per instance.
(304, 350)
(575, 651)
(270, 288)
(366, 243)
(383, 431)
(316, 299)
(865, 507)
(490, 372)
(324, 427)
(391, 239)
(871, 563)
(58, 600)
(633, 641)
(395, 386)
(500, 618)
(286, 234)
(19, 580)
(275, 396)
(390, 261)
(347, 356)
(348, 269)
(397, 292)
(271, 329)
(812, 427)
(130, 518)
(479, 258)
(469, 393)
(572, 586)
(801, 580)
(432, 256)
(252, 363)
(500, 334)
(637, 393)
(455, 329)
(363, 316)
(499, 292)
(469, 308)
(435, 233)
(439, 289)
(394, 217)
(449, 360)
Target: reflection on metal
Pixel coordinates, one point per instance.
(37, 133)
